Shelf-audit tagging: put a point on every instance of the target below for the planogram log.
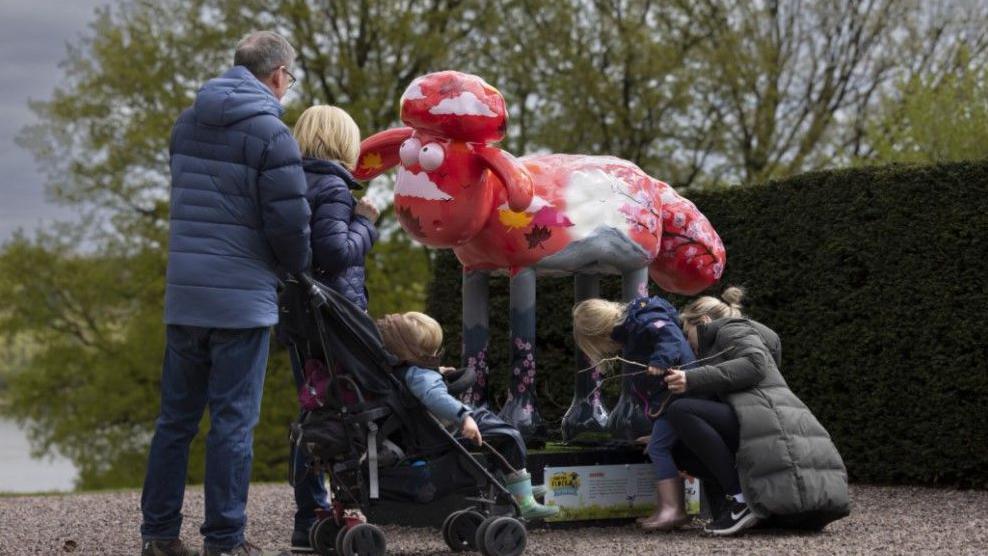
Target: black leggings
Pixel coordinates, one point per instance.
(708, 433)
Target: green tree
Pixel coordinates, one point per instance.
(789, 85)
(933, 120)
(90, 295)
(606, 77)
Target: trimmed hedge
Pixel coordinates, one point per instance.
(875, 280)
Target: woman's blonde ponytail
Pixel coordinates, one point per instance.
(729, 305)
(733, 296)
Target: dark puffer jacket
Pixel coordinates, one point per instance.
(340, 238)
(238, 210)
(788, 466)
(650, 334)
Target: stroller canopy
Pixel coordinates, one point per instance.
(351, 340)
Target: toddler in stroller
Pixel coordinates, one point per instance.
(416, 339)
(378, 431)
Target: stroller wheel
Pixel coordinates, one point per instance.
(478, 539)
(503, 536)
(322, 536)
(363, 539)
(460, 530)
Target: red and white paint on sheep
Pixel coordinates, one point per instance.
(546, 214)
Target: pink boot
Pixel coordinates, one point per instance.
(669, 513)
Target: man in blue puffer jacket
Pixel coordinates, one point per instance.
(238, 216)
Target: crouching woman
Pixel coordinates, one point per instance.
(756, 438)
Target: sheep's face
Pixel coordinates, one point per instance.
(440, 195)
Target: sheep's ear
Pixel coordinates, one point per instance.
(379, 152)
(515, 177)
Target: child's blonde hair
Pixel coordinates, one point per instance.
(729, 305)
(593, 322)
(328, 133)
(412, 337)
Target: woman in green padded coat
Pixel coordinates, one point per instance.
(745, 430)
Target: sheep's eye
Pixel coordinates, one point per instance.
(431, 156)
(409, 152)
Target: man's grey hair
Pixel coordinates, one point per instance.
(262, 52)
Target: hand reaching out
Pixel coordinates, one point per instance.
(367, 210)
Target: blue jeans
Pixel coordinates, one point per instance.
(310, 490)
(659, 449)
(224, 369)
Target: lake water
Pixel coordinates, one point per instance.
(20, 473)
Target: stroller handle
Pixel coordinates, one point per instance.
(304, 278)
(308, 284)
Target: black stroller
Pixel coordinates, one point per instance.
(377, 443)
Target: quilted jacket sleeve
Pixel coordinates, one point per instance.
(284, 211)
(747, 363)
(340, 239)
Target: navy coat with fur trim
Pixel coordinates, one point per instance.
(651, 334)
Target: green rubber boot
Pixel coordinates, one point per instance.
(538, 491)
(520, 486)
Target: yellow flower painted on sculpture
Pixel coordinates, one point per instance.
(371, 161)
(514, 220)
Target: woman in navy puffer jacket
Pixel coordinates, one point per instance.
(343, 233)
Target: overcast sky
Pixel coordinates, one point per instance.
(34, 36)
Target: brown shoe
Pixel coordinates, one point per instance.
(245, 549)
(669, 512)
(166, 547)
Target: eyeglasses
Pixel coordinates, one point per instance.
(290, 76)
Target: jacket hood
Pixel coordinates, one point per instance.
(331, 168)
(234, 96)
(640, 312)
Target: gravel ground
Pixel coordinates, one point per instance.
(897, 520)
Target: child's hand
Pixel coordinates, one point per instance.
(470, 430)
(676, 380)
(367, 210)
(446, 370)
(655, 371)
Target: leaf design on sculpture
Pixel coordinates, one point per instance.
(549, 216)
(371, 161)
(409, 221)
(513, 220)
(538, 236)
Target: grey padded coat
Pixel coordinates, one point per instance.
(788, 466)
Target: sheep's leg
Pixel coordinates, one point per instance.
(628, 420)
(586, 416)
(476, 333)
(521, 409)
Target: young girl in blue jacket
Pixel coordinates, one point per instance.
(343, 233)
(646, 331)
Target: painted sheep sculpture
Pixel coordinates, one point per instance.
(539, 214)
